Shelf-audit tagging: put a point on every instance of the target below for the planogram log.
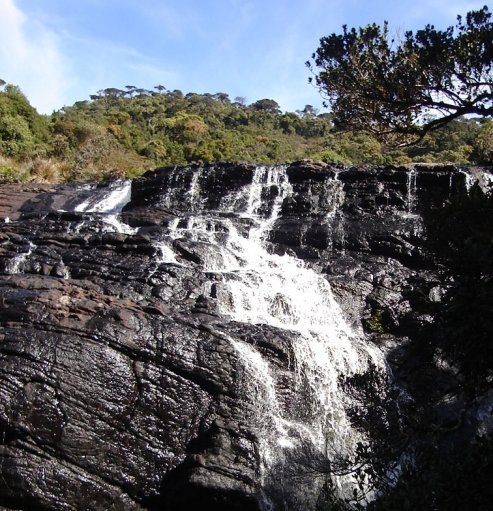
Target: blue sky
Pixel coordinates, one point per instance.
(61, 51)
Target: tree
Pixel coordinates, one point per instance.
(21, 127)
(16, 138)
(240, 101)
(160, 88)
(401, 90)
(266, 105)
(462, 234)
(308, 111)
(222, 97)
(483, 145)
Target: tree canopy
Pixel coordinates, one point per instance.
(121, 133)
(399, 89)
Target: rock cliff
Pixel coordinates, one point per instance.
(134, 376)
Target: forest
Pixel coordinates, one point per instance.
(122, 133)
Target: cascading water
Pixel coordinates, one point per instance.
(411, 189)
(109, 200)
(229, 354)
(14, 265)
(108, 203)
(251, 285)
(254, 286)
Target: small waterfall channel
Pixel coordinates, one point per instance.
(108, 204)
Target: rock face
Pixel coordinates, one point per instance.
(127, 380)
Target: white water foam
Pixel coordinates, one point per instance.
(483, 177)
(114, 224)
(257, 287)
(166, 254)
(109, 202)
(14, 265)
(411, 189)
(112, 200)
(469, 178)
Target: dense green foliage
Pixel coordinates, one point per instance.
(401, 90)
(172, 128)
(122, 133)
(22, 129)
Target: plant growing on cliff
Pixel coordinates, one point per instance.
(375, 323)
(402, 90)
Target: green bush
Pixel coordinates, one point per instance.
(16, 138)
(8, 174)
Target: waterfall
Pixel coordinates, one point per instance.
(483, 177)
(411, 189)
(226, 346)
(253, 286)
(15, 264)
(109, 200)
(249, 284)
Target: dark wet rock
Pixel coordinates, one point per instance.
(120, 387)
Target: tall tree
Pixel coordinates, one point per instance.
(266, 105)
(401, 90)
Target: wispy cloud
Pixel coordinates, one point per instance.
(56, 63)
(31, 57)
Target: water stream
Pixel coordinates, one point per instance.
(253, 286)
(108, 204)
(250, 283)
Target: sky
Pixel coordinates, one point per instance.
(62, 51)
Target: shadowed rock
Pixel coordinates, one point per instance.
(120, 387)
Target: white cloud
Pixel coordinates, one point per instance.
(31, 58)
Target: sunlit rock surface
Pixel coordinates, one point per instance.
(170, 343)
